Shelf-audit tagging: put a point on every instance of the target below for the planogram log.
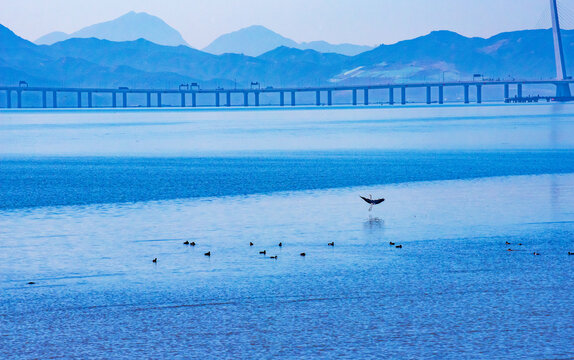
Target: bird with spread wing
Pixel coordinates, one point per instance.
(370, 200)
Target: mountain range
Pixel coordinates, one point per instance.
(251, 41)
(142, 63)
(131, 26)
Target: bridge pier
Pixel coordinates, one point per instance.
(428, 95)
(182, 98)
(391, 96)
(19, 99)
(54, 99)
(281, 98)
(318, 98)
(519, 90)
(257, 98)
(79, 93)
(466, 94)
(403, 95)
(148, 99)
(506, 91)
(193, 99)
(90, 102)
(216, 99)
(329, 97)
(125, 99)
(366, 97)
(8, 99)
(228, 99)
(114, 100)
(44, 100)
(293, 98)
(158, 99)
(245, 98)
(479, 94)
(354, 96)
(563, 90)
(441, 94)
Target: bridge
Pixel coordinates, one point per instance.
(285, 96)
(562, 84)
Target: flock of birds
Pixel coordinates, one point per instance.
(534, 253)
(520, 244)
(275, 257)
(264, 252)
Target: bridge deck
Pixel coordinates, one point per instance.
(290, 89)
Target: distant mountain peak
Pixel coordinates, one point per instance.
(256, 40)
(128, 27)
(252, 41)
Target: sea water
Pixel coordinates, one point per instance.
(89, 198)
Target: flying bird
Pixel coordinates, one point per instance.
(371, 201)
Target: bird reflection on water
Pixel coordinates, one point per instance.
(374, 224)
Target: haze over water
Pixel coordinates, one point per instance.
(89, 198)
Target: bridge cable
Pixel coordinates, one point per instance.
(544, 21)
(566, 14)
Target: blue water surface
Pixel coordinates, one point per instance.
(89, 198)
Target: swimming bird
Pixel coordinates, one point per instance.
(31, 283)
(154, 260)
(535, 253)
(507, 243)
(570, 253)
(509, 250)
(371, 201)
(263, 252)
(186, 242)
(192, 243)
(273, 257)
(280, 244)
(303, 254)
(207, 253)
(399, 246)
(392, 243)
(331, 243)
(250, 244)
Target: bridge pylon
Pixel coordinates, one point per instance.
(562, 89)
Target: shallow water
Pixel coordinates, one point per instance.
(167, 133)
(453, 289)
(84, 226)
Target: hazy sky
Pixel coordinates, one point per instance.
(357, 21)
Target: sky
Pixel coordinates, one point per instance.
(368, 22)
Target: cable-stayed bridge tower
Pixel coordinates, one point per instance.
(562, 89)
